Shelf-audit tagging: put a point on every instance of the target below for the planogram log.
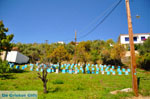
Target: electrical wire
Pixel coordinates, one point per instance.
(95, 20)
(101, 21)
(98, 18)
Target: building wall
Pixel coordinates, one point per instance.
(2, 55)
(60, 42)
(122, 38)
(16, 57)
(128, 53)
(11, 56)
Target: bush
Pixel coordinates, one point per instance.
(144, 61)
(4, 66)
(57, 81)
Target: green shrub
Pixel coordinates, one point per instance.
(80, 87)
(57, 81)
(4, 66)
(144, 61)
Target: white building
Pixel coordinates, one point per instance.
(15, 57)
(60, 42)
(137, 37)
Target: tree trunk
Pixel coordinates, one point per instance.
(45, 87)
(84, 67)
(44, 80)
(59, 66)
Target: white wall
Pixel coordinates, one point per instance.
(128, 53)
(11, 56)
(21, 58)
(16, 57)
(60, 42)
(122, 38)
(2, 55)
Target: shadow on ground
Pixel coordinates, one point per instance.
(57, 89)
(6, 76)
(17, 71)
(141, 78)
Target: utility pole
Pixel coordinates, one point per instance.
(46, 41)
(75, 56)
(132, 51)
(45, 48)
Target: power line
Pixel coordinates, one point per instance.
(94, 21)
(97, 18)
(68, 39)
(114, 4)
(101, 21)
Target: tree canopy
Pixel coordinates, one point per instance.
(60, 54)
(143, 60)
(5, 39)
(97, 51)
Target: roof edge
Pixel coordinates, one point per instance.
(135, 34)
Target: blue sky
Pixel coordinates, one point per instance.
(56, 20)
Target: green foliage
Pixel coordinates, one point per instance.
(4, 66)
(82, 52)
(5, 39)
(77, 86)
(112, 55)
(109, 43)
(45, 53)
(143, 60)
(117, 52)
(58, 81)
(145, 48)
(95, 56)
(137, 46)
(105, 56)
(106, 52)
(60, 54)
(38, 52)
(70, 48)
(31, 50)
(96, 50)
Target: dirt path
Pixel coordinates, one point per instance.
(140, 97)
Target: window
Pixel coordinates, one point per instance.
(135, 38)
(142, 38)
(126, 38)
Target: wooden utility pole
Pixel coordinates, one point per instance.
(45, 48)
(46, 41)
(132, 51)
(75, 56)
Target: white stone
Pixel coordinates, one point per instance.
(113, 73)
(102, 72)
(76, 72)
(126, 90)
(57, 71)
(123, 90)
